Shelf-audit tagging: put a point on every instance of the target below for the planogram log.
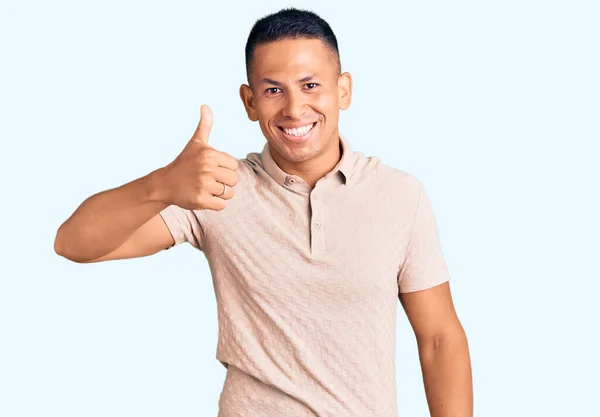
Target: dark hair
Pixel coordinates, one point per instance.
(290, 23)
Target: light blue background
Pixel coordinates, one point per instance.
(494, 106)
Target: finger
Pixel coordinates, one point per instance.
(225, 176)
(204, 126)
(215, 203)
(217, 188)
(225, 160)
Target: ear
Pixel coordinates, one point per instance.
(247, 97)
(345, 90)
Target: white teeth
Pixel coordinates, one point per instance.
(301, 131)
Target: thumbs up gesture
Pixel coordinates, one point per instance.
(201, 177)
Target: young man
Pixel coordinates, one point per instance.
(311, 252)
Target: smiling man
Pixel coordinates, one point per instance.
(310, 244)
(295, 92)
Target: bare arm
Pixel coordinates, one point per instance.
(443, 351)
(105, 221)
(124, 222)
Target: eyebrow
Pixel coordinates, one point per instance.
(277, 83)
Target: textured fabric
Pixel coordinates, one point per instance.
(307, 283)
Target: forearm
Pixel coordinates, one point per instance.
(105, 220)
(447, 377)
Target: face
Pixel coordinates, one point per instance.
(295, 94)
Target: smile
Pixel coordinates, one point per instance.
(298, 134)
(297, 131)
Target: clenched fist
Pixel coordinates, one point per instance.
(196, 178)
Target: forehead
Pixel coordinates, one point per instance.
(290, 57)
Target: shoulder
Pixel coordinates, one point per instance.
(249, 168)
(371, 171)
(251, 162)
(248, 178)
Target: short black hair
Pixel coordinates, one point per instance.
(290, 23)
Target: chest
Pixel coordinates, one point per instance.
(346, 244)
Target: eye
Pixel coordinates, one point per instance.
(312, 84)
(270, 90)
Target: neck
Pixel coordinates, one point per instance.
(316, 168)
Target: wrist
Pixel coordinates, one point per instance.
(156, 188)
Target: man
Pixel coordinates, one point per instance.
(308, 255)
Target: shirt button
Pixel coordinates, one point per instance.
(317, 224)
(314, 197)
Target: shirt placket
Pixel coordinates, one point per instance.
(316, 222)
(317, 225)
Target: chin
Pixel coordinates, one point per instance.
(296, 155)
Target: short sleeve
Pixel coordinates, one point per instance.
(184, 225)
(424, 265)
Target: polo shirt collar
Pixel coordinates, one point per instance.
(345, 164)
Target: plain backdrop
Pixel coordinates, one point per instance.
(494, 106)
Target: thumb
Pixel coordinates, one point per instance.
(204, 126)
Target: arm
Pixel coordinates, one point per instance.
(119, 223)
(126, 222)
(443, 351)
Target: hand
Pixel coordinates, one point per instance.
(194, 179)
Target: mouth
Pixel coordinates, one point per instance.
(299, 134)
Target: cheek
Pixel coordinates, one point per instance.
(265, 108)
(326, 101)
(266, 117)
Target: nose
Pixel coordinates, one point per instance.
(294, 106)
